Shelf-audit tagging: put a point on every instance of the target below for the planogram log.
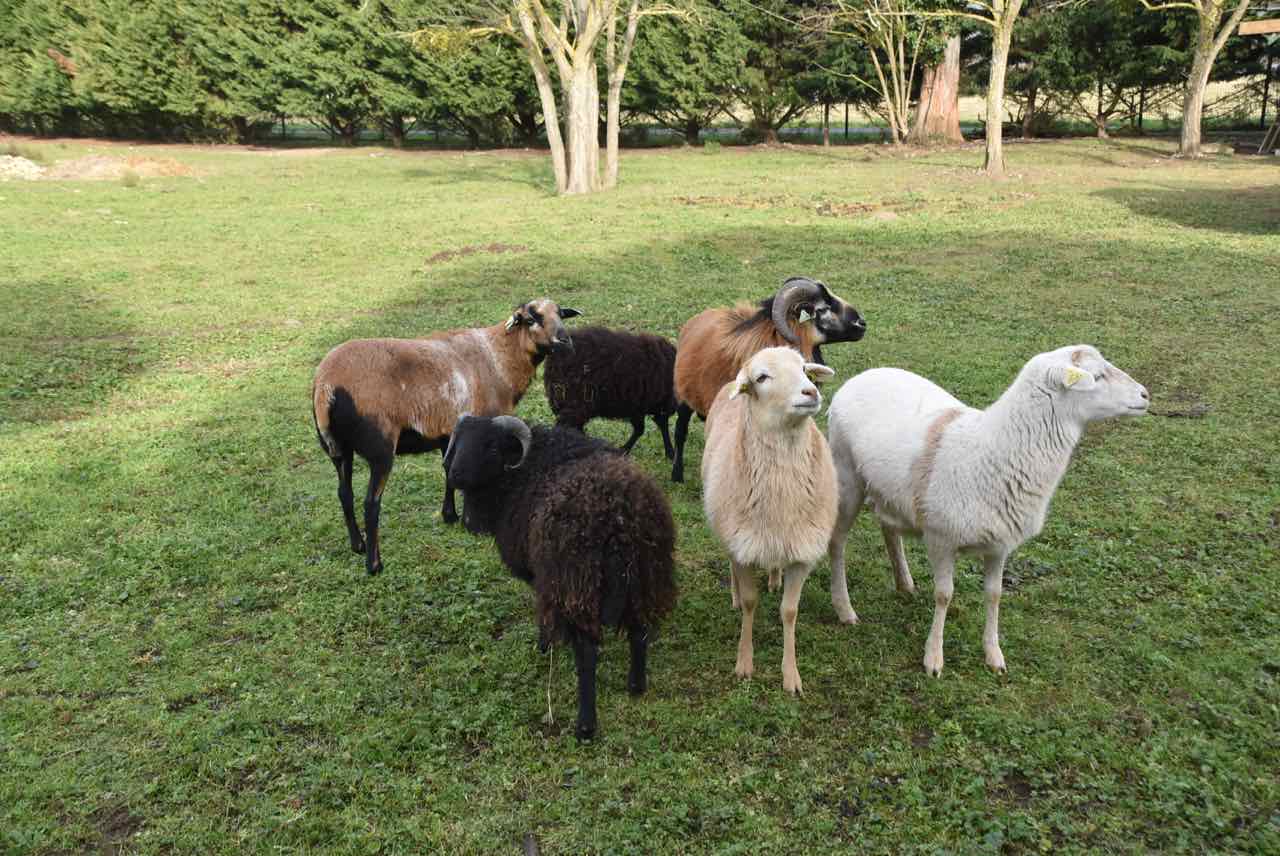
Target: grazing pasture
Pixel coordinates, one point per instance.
(193, 661)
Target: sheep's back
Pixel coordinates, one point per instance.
(601, 544)
(613, 374)
(887, 424)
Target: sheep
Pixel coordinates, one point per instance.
(378, 398)
(614, 375)
(965, 479)
(714, 344)
(769, 487)
(582, 524)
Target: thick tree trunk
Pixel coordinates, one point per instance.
(396, 130)
(243, 129)
(826, 124)
(994, 164)
(583, 150)
(1209, 41)
(692, 129)
(938, 110)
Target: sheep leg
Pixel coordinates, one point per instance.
(448, 512)
(792, 586)
(347, 497)
(661, 422)
(994, 583)
(637, 428)
(845, 515)
(943, 560)
(638, 636)
(584, 658)
(683, 414)
(898, 558)
(379, 472)
(748, 595)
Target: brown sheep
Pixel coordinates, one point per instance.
(378, 398)
(716, 343)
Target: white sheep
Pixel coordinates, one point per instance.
(769, 487)
(965, 479)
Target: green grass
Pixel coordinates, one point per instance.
(191, 661)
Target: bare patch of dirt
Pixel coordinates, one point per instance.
(104, 168)
(114, 826)
(823, 208)
(1014, 789)
(473, 249)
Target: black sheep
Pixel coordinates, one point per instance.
(613, 374)
(582, 524)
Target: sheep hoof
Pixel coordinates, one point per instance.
(744, 670)
(933, 664)
(846, 615)
(585, 733)
(357, 547)
(995, 661)
(375, 568)
(636, 687)
(792, 685)
(449, 517)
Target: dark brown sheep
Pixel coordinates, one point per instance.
(613, 374)
(577, 520)
(378, 398)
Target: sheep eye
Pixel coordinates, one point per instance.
(762, 378)
(1099, 376)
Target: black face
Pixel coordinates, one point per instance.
(836, 320)
(479, 453)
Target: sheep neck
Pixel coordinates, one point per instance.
(773, 432)
(1027, 438)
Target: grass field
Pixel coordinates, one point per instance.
(191, 660)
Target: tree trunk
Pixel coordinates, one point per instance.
(1209, 41)
(1142, 107)
(1029, 117)
(1100, 118)
(1266, 93)
(826, 124)
(395, 129)
(243, 130)
(691, 131)
(612, 122)
(580, 96)
(349, 131)
(938, 110)
(1001, 37)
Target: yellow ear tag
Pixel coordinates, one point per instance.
(739, 388)
(1073, 376)
(805, 316)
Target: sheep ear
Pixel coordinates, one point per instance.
(515, 320)
(1070, 377)
(741, 384)
(568, 312)
(805, 316)
(818, 373)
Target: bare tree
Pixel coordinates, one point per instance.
(892, 36)
(569, 33)
(1210, 37)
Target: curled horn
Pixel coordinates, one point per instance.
(795, 289)
(521, 430)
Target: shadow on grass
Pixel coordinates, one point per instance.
(534, 172)
(60, 356)
(1244, 211)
